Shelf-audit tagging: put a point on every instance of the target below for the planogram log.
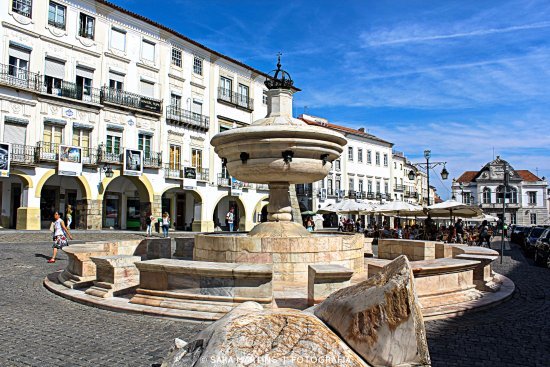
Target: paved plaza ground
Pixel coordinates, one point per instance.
(38, 328)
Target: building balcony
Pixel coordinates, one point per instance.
(410, 194)
(399, 188)
(187, 118)
(19, 78)
(224, 180)
(499, 205)
(23, 155)
(262, 187)
(112, 157)
(371, 195)
(235, 99)
(177, 172)
(72, 91)
(152, 160)
(49, 152)
(129, 100)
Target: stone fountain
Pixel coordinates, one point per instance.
(280, 150)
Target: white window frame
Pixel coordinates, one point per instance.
(120, 32)
(83, 26)
(198, 64)
(350, 154)
(144, 44)
(177, 57)
(55, 22)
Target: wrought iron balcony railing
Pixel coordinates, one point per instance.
(152, 160)
(399, 187)
(112, 157)
(19, 78)
(236, 99)
(23, 155)
(47, 152)
(72, 91)
(177, 115)
(122, 98)
(224, 180)
(371, 195)
(177, 171)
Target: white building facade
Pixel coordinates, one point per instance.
(92, 75)
(527, 200)
(363, 171)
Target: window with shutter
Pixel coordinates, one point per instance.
(148, 51)
(118, 39)
(147, 88)
(15, 134)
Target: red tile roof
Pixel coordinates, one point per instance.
(467, 176)
(527, 175)
(344, 129)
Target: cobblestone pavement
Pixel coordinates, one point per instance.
(515, 333)
(38, 328)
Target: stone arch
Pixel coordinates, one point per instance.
(142, 184)
(240, 207)
(185, 206)
(197, 195)
(26, 179)
(259, 206)
(81, 180)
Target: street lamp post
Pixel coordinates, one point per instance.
(428, 166)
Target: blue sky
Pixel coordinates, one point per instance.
(457, 77)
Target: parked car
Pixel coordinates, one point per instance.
(542, 249)
(514, 233)
(522, 235)
(531, 239)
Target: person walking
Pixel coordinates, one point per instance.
(230, 218)
(149, 221)
(69, 215)
(310, 225)
(165, 224)
(484, 235)
(60, 233)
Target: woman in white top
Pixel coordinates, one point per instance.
(59, 238)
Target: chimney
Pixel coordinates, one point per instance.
(361, 129)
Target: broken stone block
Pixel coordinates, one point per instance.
(252, 336)
(380, 318)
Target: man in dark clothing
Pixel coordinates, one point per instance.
(459, 229)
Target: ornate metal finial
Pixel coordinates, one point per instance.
(280, 79)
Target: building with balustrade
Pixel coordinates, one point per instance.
(138, 100)
(363, 171)
(526, 198)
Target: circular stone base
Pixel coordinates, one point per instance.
(288, 295)
(290, 256)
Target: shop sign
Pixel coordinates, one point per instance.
(149, 104)
(70, 161)
(133, 162)
(5, 150)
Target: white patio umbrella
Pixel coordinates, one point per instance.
(450, 208)
(346, 207)
(400, 208)
(487, 217)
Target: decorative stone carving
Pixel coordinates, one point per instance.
(380, 318)
(16, 108)
(250, 336)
